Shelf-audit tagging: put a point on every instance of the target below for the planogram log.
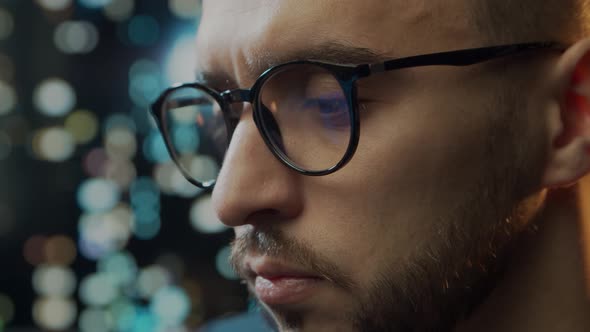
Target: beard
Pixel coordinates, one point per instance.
(441, 283)
(430, 291)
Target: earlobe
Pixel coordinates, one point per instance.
(569, 119)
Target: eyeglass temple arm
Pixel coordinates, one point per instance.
(462, 57)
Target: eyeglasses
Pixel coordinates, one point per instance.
(305, 111)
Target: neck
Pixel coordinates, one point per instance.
(544, 288)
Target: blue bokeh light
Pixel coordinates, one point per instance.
(171, 305)
(154, 148)
(94, 4)
(143, 30)
(186, 138)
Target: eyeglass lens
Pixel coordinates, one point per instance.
(304, 114)
(195, 130)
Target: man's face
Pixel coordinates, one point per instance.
(408, 233)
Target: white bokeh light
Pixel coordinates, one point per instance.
(98, 195)
(119, 10)
(76, 37)
(54, 281)
(188, 9)
(55, 314)
(6, 24)
(54, 144)
(7, 98)
(180, 66)
(54, 97)
(203, 217)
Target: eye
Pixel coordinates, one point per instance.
(331, 111)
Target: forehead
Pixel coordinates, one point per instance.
(234, 35)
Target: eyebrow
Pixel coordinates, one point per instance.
(329, 52)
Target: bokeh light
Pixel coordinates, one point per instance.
(123, 313)
(76, 37)
(95, 121)
(172, 263)
(6, 309)
(145, 201)
(144, 121)
(120, 121)
(94, 4)
(201, 166)
(120, 143)
(120, 266)
(7, 98)
(60, 250)
(6, 24)
(180, 65)
(186, 9)
(171, 305)
(151, 279)
(54, 313)
(203, 218)
(143, 30)
(95, 162)
(119, 10)
(147, 229)
(154, 148)
(164, 176)
(54, 281)
(223, 265)
(55, 5)
(144, 82)
(98, 289)
(103, 233)
(182, 187)
(82, 125)
(120, 171)
(98, 195)
(53, 144)
(54, 97)
(95, 320)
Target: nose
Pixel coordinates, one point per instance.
(253, 185)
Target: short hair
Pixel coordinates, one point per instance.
(512, 21)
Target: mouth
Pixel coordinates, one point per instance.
(279, 283)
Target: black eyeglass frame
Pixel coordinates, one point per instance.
(346, 75)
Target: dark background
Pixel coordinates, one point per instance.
(40, 198)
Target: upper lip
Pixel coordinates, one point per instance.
(269, 268)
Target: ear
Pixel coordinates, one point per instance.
(569, 118)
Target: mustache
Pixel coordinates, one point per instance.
(275, 244)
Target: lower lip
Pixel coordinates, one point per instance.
(285, 290)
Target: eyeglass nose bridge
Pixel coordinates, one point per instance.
(237, 96)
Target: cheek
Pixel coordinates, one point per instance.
(412, 166)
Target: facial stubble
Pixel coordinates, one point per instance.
(441, 283)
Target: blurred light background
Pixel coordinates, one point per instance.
(98, 230)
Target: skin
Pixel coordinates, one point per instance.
(445, 178)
